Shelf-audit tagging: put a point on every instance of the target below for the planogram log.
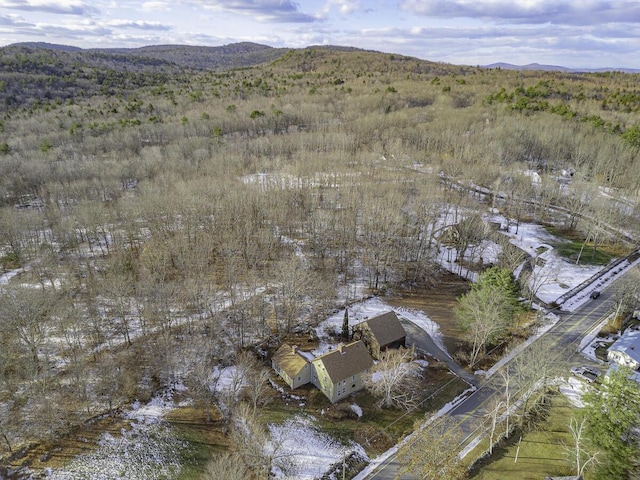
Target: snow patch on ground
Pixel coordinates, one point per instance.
(148, 450)
(7, 276)
(573, 389)
(227, 378)
(554, 275)
(357, 409)
(153, 411)
(420, 320)
(308, 453)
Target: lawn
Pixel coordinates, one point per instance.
(540, 453)
(571, 247)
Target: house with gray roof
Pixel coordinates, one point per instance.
(340, 372)
(337, 373)
(380, 333)
(626, 350)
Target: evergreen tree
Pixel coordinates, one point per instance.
(503, 280)
(613, 412)
(345, 325)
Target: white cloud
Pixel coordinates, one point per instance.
(154, 6)
(68, 7)
(140, 25)
(13, 21)
(345, 7)
(569, 12)
(271, 11)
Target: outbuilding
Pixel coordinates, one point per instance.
(380, 333)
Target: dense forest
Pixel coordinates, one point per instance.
(157, 218)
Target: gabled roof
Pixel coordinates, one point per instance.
(629, 344)
(346, 360)
(386, 328)
(289, 359)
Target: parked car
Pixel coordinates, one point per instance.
(595, 294)
(588, 374)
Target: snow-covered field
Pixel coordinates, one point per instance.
(147, 450)
(552, 277)
(308, 452)
(150, 450)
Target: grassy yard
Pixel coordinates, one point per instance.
(571, 244)
(201, 437)
(541, 451)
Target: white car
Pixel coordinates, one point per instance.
(588, 374)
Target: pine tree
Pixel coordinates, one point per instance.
(613, 412)
(345, 325)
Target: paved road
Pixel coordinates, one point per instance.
(564, 337)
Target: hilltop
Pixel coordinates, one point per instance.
(41, 72)
(235, 55)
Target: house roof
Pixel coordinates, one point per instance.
(614, 367)
(346, 360)
(629, 344)
(289, 359)
(386, 328)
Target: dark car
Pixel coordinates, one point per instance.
(595, 294)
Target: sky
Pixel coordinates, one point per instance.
(570, 33)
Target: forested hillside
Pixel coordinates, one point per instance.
(155, 220)
(44, 74)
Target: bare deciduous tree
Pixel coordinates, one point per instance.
(227, 466)
(394, 379)
(483, 314)
(580, 454)
(432, 451)
(258, 450)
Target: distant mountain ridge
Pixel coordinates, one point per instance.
(247, 54)
(35, 72)
(235, 55)
(557, 68)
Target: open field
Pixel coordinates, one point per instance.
(540, 453)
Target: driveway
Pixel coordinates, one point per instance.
(423, 342)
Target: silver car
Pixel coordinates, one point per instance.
(589, 374)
